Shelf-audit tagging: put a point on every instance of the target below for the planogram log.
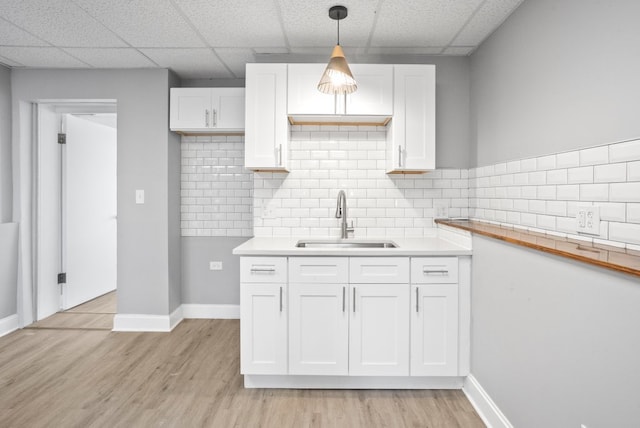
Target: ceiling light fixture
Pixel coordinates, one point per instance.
(337, 77)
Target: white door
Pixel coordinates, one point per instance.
(379, 330)
(318, 329)
(49, 218)
(375, 90)
(263, 329)
(90, 208)
(190, 108)
(228, 108)
(434, 330)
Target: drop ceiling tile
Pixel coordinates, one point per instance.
(59, 22)
(308, 23)
(458, 50)
(189, 63)
(405, 51)
(40, 57)
(111, 57)
(271, 50)
(144, 23)
(235, 23)
(10, 35)
(485, 21)
(421, 23)
(236, 59)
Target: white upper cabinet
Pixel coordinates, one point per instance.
(267, 127)
(411, 134)
(207, 110)
(374, 96)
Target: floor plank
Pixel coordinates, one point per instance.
(189, 377)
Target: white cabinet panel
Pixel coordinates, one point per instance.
(263, 269)
(303, 96)
(379, 270)
(320, 270)
(411, 134)
(318, 329)
(266, 123)
(375, 90)
(434, 270)
(379, 330)
(434, 330)
(263, 329)
(207, 110)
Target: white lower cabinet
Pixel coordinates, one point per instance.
(318, 329)
(379, 330)
(434, 330)
(368, 317)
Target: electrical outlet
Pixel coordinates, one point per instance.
(441, 209)
(215, 265)
(588, 219)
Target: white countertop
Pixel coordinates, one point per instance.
(437, 245)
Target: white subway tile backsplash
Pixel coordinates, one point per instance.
(625, 192)
(633, 171)
(594, 156)
(633, 213)
(615, 172)
(567, 160)
(628, 151)
(580, 175)
(594, 192)
(624, 232)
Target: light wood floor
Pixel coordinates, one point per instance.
(96, 314)
(186, 378)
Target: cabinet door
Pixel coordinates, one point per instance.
(318, 329)
(303, 95)
(434, 330)
(189, 107)
(266, 124)
(375, 90)
(379, 330)
(411, 135)
(263, 328)
(228, 108)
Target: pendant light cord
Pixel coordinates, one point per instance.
(338, 28)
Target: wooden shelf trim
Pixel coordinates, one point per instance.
(606, 256)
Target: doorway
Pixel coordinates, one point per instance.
(76, 206)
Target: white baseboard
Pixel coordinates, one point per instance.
(8, 324)
(211, 311)
(144, 322)
(484, 405)
(351, 382)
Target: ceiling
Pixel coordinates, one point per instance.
(214, 39)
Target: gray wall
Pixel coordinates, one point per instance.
(555, 343)
(6, 186)
(173, 226)
(556, 76)
(203, 286)
(8, 269)
(144, 154)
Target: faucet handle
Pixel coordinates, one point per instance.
(350, 228)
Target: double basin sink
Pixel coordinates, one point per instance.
(344, 243)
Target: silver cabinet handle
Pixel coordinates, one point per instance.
(215, 118)
(257, 269)
(344, 292)
(435, 272)
(417, 300)
(400, 156)
(206, 118)
(280, 299)
(354, 300)
(280, 155)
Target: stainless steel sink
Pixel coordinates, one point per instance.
(345, 244)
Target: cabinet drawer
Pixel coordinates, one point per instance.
(434, 270)
(379, 270)
(263, 269)
(318, 270)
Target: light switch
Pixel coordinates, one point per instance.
(140, 196)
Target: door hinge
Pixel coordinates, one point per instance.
(62, 138)
(62, 278)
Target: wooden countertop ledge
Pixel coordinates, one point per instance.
(618, 259)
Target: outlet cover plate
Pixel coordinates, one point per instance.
(588, 219)
(215, 265)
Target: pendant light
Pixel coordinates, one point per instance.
(337, 77)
